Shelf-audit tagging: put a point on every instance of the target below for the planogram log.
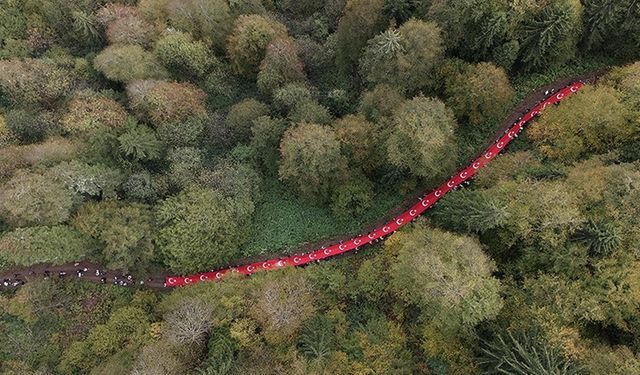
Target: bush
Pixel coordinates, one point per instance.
(31, 127)
(90, 111)
(198, 227)
(128, 62)
(57, 245)
(241, 116)
(182, 55)
(39, 82)
(248, 42)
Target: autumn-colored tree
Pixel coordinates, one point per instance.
(89, 111)
(280, 66)
(448, 275)
(591, 121)
(422, 138)
(128, 62)
(311, 160)
(32, 82)
(166, 102)
(125, 25)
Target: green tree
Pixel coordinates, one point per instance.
(353, 197)
(591, 121)
(208, 20)
(97, 180)
(140, 143)
(179, 53)
(56, 244)
(185, 133)
(471, 211)
(422, 137)
(242, 114)
(197, 227)
(612, 26)
(551, 34)
(185, 164)
(128, 62)
(378, 104)
(311, 160)
(447, 275)
(266, 135)
(34, 199)
(359, 141)
(248, 42)
(361, 20)
(480, 93)
(126, 232)
(524, 355)
(30, 126)
(405, 57)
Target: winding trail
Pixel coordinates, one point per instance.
(513, 125)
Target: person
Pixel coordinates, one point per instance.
(79, 272)
(5, 282)
(62, 273)
(103, 280)
(46, 274)
(97, 272)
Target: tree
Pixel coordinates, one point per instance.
(524, 355)
(128, 62)
(288, 96)
(6, 135)
(166, 102)
(447, 275)
(379, 103)
(140, 143)
(361, 20)
(82, 179)
(309, 111)
(266, 135)
(241, 115)
(55, 244)
(405, 57)
(232, 179)
(248, 41)
(551, 34)
(471, 211)
(280, 66)
(359, 141)
(34, 199)
(89, 111)
(283, 302)
(185, 164)
(207, 20)
(31, 126)
(591, 121)
(126, 232)
(179, 53)
(198, 227)
(612, 26)
(352, 197)
(34, 82)
(125, 25)
(422, 137)
(311, 160)
(189, 323)
(479, 94)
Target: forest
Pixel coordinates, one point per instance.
(170, 137)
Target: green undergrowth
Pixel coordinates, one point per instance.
(283, 221)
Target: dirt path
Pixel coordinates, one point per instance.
(93, 272)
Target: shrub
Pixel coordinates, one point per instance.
(248, 42)
(128, 62)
